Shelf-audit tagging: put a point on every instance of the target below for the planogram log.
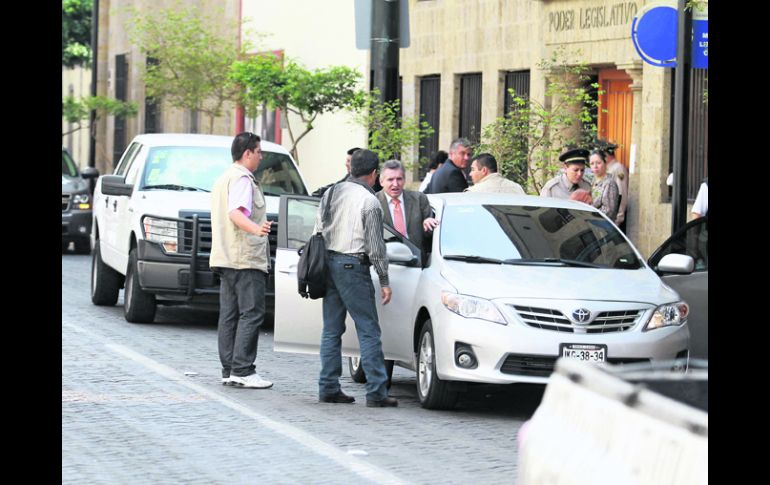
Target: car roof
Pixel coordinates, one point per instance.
(479, 198)
(195, 139)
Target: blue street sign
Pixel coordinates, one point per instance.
(653, 32)
(700, 44)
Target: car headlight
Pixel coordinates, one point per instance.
(472, 307)
(81, 201)
(672, 314)
(162, 232)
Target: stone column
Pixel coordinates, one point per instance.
(634, 70)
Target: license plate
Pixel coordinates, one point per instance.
(584, 352)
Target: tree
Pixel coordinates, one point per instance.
(79, 110)
(192, 55)
(528, 140)
(268, 82)
(76, 33)
(390, 134)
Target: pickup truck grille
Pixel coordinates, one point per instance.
(185, 234)
(65, 202)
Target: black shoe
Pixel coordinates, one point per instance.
(339, 398)
(388, 402)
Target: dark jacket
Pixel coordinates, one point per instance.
(448, 178)
(417, 209)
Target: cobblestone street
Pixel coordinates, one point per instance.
(143, 403)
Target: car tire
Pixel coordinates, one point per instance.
(138, 305)
(357, 371)
(82, 246)
(432, 391)
(105, 281)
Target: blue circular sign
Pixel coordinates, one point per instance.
(653, 32)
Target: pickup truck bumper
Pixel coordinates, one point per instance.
(168, 276)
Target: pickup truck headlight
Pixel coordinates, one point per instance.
(161, 232)
(81, 201)
(672, 314)
(472, 307)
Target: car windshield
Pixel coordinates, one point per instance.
(197, 168)
(68, 166)
(509, 234)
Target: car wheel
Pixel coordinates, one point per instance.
(82, 246)
(432, 391)
(357, 371)
(105, 281)
(138, 305)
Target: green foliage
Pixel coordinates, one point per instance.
(79, 110)
(528, 140)
(76, 33)
(390, 135)
(267, 81)
(192, 55)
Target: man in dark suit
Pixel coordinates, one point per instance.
(407, 211)
(450, 177)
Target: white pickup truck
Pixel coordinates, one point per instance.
(151, 230)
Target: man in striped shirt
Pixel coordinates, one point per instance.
(353, 236)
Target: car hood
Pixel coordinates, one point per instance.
(73, 184)
(170, 202)
(557, 282)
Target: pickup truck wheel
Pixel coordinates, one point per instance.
(138, 306)
(432, 391)
(105, 281)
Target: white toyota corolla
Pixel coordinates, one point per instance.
(508, 285)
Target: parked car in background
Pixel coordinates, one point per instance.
(75, 204)
(152, 220)
(691, 240)
(512, 283)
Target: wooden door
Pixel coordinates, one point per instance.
(616, 111)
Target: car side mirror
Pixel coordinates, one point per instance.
(398, 252)
(116, 185)
(676, 263)
(89, 173)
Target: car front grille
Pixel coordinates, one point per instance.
(543, 365)
(65, 202)
(555, 320)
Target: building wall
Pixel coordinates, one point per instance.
(316, 36)
(77, 83)
(454, 37)
(113, 40)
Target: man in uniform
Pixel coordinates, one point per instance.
(571, 178)
(621, 178)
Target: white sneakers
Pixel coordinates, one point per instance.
(253, 381)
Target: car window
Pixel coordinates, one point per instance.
(128, 157)
(691, 240)
(300, 220)
(531, 233)
(68, 166)
(278, 175)
(133, 166)
(197, 167)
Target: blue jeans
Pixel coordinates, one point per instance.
(241, 313)
(349, 288)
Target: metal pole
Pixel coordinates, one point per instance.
(94, 47)
(681, 116)
(384, 46)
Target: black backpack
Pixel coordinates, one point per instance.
(311, 269)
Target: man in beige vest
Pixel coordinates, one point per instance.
(486, 179)
(620, 172)
(240, 255)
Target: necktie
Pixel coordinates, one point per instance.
(398, 217)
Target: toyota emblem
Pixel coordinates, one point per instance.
(581, 315)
